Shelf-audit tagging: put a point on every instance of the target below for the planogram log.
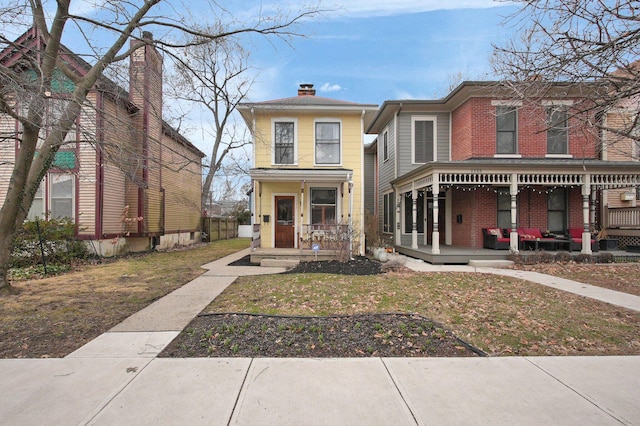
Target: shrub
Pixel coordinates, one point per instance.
(563, 256)
(605, 258)
(58, 243)
(583, 258)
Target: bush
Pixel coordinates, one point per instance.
(58, 242)
(583, 258)
(605, 258)
(563, 256)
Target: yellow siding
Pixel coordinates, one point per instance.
(182, 182)
(87, 179)
(351, 157)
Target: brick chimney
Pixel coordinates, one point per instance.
(306, 90)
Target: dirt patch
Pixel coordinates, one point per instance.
(384, 335)
(357, 266)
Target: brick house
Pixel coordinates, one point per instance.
(450, 167)
(127, 178)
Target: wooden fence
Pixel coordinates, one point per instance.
(219, 228)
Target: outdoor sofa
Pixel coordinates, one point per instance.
(495, 238)
(575, 234)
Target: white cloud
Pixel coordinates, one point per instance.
(368, 8)
(330, 87)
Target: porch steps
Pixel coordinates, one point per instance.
(494, 263)
(280, 263)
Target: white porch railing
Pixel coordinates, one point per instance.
(624, 218)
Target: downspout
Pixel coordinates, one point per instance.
(99, 207)
(350, 184)
(362, 184)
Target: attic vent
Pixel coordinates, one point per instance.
(306, 90)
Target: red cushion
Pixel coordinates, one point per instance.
(504, 240)
(575, 232)
(532, 231)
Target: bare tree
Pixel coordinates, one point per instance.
(213, 76)
(26, 84)
(590, 47)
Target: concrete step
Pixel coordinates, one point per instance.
(490, 263)
(280, 263)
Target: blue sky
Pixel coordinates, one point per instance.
(372, 51)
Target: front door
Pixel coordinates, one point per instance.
(285, 225)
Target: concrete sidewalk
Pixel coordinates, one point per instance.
(116, 379)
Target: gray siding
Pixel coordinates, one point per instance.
(442, 139)
(369, 182)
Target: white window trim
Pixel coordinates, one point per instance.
(413, 135)
(392, 200)
(507, 103)
(336, 186)
(328, 120)
(557, 102)
(51, 181)
(385, 141)
(273, 139)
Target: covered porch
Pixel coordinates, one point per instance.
(304, 213)
(442, 185)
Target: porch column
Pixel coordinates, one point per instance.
(435, 237)
(592, 206)
(301, 234)
(350, 231)
(414, 218)
(586, 235)
(396, 231)
(513, 234)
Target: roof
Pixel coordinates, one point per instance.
(464, 91)
(104, 85)
(306, 103)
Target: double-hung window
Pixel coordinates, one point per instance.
(424, 131)
(557, 130)
(385, 146)
(504, 208)
(328, 142)
(388, 213)
(284, 142)
(506, 131)
(323, 206)
(557, 210)
(408, 212)
(62, 187)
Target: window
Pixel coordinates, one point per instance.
(504, 208)
(557, 210)
(385, 146)
(37, 207)
(408, 212)
(327, 143)
(423, 138)
(62, 189)
(557, 132)
(284, 142)
(506, 132)
(388, 213)
(323, 206)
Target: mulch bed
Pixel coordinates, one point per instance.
(364, 335)
(359, 265)
(369, 335)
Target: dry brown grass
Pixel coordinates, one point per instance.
(51, 317)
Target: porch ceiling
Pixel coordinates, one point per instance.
(308, 175)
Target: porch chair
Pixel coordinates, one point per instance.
(493, 238)
(575, 234)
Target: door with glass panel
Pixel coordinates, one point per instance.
(285, 224)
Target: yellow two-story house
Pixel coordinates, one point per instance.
(307, 174)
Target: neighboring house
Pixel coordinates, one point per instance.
(308, 178)
(450, 167)
(129, 180)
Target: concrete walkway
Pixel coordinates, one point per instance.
(117, 380)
